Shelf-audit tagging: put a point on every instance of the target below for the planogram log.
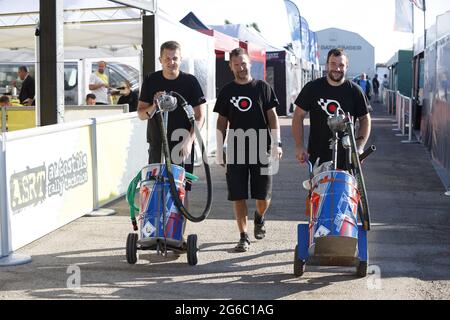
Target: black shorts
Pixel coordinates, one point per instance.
(237, 181)
(154, 156)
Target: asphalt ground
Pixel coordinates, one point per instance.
(409, 243)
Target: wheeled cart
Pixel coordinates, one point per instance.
(336, 200)
(161, 225)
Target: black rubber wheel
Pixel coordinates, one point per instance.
(361, 269)
(299, 265)
(192, 249)
(132, 248)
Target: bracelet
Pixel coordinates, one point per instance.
(360, 138)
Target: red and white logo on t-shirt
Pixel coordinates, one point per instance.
(242, 103)
(329, 106)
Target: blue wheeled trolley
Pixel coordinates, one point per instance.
(334, 236)
(162, 215)
(161, 224)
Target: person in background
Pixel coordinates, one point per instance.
(384, 86)
(364, 83)
(320, 98)
(128, 96)
(4, 101)
(27, 91)
(90, 99)
(385, 82)
(376, 88)
(99, 83)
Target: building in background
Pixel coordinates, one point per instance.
(360, 52)
(400, 72)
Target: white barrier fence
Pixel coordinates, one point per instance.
(52, 175)
(23, 117)
(389, 101)
(400, 106)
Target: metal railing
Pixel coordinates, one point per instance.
(389, 100)
(401, 107)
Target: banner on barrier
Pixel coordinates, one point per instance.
(3, 207)
(49, 182)
(122, 152)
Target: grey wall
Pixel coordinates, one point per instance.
(360, 52)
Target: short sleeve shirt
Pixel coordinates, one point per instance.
(101, 94)
(321, 99)
(187, 86)
(245, 107)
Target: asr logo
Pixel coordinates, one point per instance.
(34, 185)
(28, 188)
(242, 103)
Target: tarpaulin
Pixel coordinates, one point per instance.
(435, 126)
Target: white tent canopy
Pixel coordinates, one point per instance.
(245, 33)
(105, 29)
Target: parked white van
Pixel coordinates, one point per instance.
(74, 85)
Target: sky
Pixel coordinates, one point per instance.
(373, 20)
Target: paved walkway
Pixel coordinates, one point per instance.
(409, 244)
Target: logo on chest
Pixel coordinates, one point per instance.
(242, 103)
(329, 106)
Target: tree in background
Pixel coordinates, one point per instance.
(254, 25)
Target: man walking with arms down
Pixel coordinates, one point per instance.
(171, 78)
(247, 106)
(320, 98)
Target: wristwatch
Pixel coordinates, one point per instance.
(280, 144)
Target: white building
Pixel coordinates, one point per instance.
(360, 52)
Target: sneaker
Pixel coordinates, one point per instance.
(243, 245)
(260, 231)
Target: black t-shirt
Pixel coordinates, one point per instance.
(28, 89)
(187, 86)
(243, 106)
(320, 99)
(376, 83)
(131, 99)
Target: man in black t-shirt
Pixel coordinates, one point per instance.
(248, 108)
(320, 98)
(170, 78)
(27, 92)
(376, 88)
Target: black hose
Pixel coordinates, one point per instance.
(173, 188)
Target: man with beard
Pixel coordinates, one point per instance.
(320, 98)
(99, 84)
(248, 108)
